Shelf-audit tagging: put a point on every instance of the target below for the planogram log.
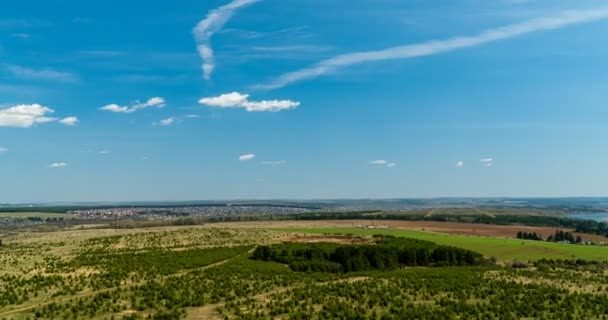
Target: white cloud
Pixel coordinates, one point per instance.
(270, 105)
(69, 121)
(227, 100)
(116, 108)
(434, 47)
(58, 165)
(238, 100)
(192, 116)
(486, 160)
(460, 164)
(41, 74)
(206, 28)
(3, 150)
(104, 152)
(378, 162)
(247, 157)
(167, 122)
(391, 165)
(25, 115)
(156, 102)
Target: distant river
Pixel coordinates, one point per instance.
(598, 216)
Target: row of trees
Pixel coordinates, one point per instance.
(529, 236)
(558, 236)
(564, 236)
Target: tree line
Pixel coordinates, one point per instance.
(558, 236)
(529, 236)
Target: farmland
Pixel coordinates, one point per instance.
(42, 215)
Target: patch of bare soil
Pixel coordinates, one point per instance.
(326, 239)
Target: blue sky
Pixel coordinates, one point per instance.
(181, 100)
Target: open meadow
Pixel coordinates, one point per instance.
(292, 270)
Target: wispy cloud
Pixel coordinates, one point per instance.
(383, 163)
(58, 165)
(378, 162)
(166, 122)
(292, 33)
(156, 102)
(23, 23)
(238, 100)
(27, 115)
(488, 162)
(206, 28)
(460, 164)
(3, 150)
(434, 47)
(247, 157)
(46, 74)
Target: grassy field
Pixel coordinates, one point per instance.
(501, 248)
(207, 272)
(35, 215)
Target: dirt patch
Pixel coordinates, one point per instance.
(326, 239)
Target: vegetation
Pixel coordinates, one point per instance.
(579, 225)
(388, 253)
(529, 236)
(500, 248)
(228, 272)
(36, 215)
(561, 236)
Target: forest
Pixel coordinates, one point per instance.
(388, 253)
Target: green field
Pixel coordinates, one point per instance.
(35, 215)
(502, 249)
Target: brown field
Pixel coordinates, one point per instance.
(467, 229)
(325, 239)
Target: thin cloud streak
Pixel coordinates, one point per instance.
(45, 74)
(58, 165)
(437, 46)
(247, 157)
(206, 28)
